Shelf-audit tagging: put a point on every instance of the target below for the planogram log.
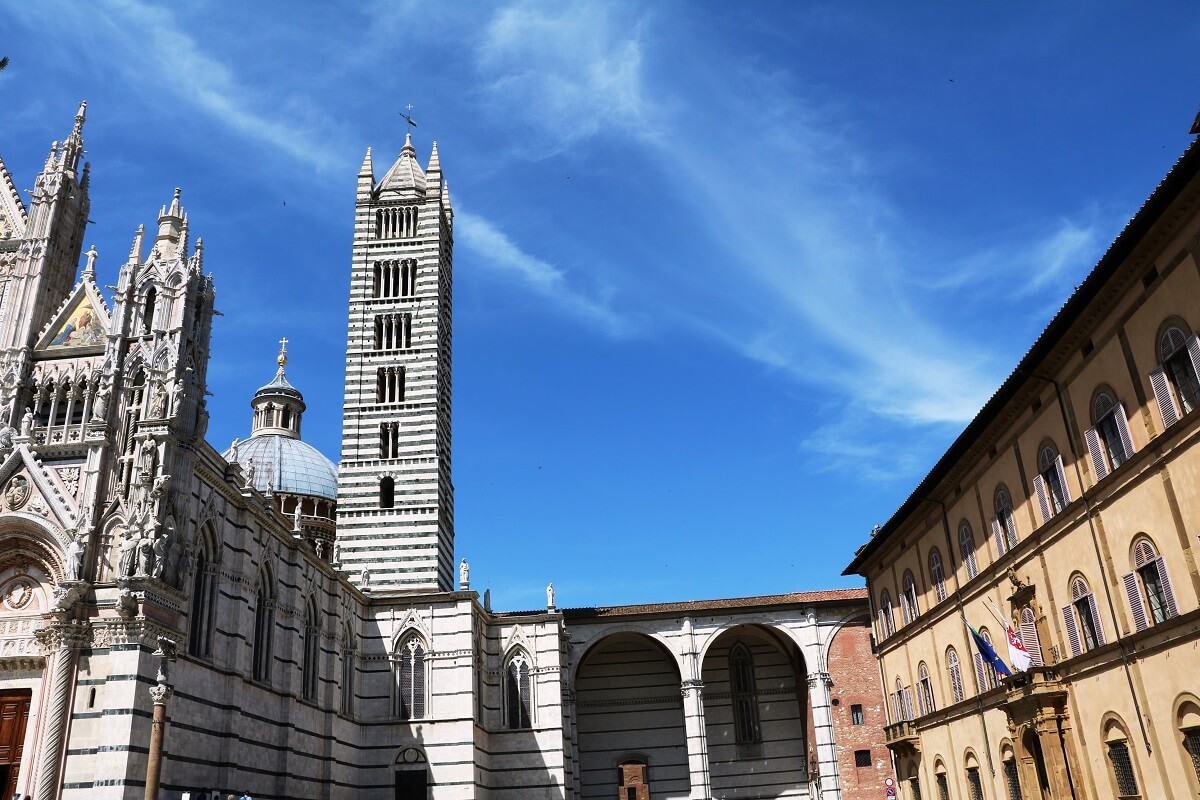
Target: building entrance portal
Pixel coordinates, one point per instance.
(411, 785)
(14, 713)
(634, 785)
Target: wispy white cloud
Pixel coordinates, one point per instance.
(497, 251)
(566, 71)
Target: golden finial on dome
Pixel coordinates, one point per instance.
(282, 359)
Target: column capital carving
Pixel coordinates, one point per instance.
(692, 685)
(816, 679)
(63, 636)
(160, 693)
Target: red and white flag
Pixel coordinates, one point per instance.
(1018, 656)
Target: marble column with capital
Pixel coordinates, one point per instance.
(819, 684)
(62, 641)
(697, 739)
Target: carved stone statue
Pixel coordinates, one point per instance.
(147, 456)
(158, 403)
(550, 595)
(160, 548)
(128, 553)
(296, 519)
(366, 578)
(27, 422)
(6, 438)
(126, 602)
(145, 556)
(337, 553)
(233, 451)
(100, 405)
(75, 557)
(464, 575)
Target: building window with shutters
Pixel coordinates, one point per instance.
(1109, 441)
(743, 691)
(1050, 484)
(887, 622)
(1004, 525)
(1175, 384)
(955, 670)
(908, 599)
(966, 542)
(925, 690)
(1030, 637)
(1191, 746)
(518, 697)
(1148, 587)
(985, 673)
(1082, 618)
(408, 666)
(937, 575)
(914, 787)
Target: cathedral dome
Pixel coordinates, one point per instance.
(274, 458)
(286, 465)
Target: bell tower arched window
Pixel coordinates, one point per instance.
(148, 310)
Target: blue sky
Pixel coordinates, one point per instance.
(728, 277)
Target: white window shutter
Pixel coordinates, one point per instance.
(1168, 593)
(1091, 598)
(980, 673)
(906, 696)
(1099, 463)
(1165, 398)
(1123, 430)
(1133, 591)
(1193, 348)
(1062, 479)
(1039, 488)
(1029, 638)
(998, 532)
(1072, 630)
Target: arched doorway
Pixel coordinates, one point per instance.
(628, 700)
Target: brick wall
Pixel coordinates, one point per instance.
(855, 675)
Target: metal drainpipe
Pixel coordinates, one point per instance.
(987, 743)
(1087, 505)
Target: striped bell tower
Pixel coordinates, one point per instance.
(395, 512)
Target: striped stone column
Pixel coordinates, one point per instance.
(697, 739)
(819, 684)
(63, 640)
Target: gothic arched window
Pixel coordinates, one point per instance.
(204, 598)
(743, 690)
(518, 693)
(348, 645)
(410, 671)
(264, 628)
(309, 673)
(148, 310)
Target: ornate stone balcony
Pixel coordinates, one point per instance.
(902, 739)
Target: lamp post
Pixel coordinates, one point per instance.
(160, 693)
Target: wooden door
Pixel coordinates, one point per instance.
(14, 714)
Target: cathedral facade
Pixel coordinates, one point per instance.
(177, 618)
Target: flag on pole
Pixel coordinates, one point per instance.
(1017, 653)
(989, 655)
